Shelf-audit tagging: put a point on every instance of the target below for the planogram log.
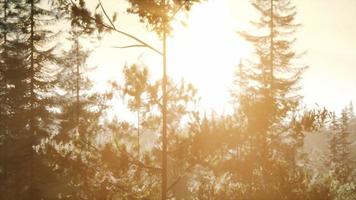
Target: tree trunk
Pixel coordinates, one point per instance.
(164, 112)
(32, 75)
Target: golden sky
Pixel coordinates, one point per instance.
(206, 52)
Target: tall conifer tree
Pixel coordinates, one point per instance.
(30, 68)
(270, 84)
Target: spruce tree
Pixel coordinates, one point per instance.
(77, 122)
(270, 85)
(350, 110)
(15, 101)
(345, 148)
(30, 68)
(340, 162)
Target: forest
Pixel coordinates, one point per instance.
(58, 141)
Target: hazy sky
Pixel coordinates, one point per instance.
(207, 51)
(329, 36)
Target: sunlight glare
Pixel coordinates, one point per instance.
(206, 51)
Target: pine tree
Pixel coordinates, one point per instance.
(341, 163)
(157, 15)
(345, 148)
(135, 86)
(339, 148)
(271, 78)
(30, 66)
(333, 142)
(41, 63)
(14, 95)
(351, 110)
(272, 75)
(78, 121)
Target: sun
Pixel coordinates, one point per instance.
(206, 51)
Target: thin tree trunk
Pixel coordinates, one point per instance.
(271, 49)
(3, 110)
(164, 111)
(77, 52)
(138, 134)
(77, 81)
(32, 129)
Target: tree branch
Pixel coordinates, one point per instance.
(113, 28)
(129, 46)
(179, 178)
(132, 160)
(106, 15)
(178, 9)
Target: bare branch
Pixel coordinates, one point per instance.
(110, 27)
(106, 15)
(133, 37)
(129, 46)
